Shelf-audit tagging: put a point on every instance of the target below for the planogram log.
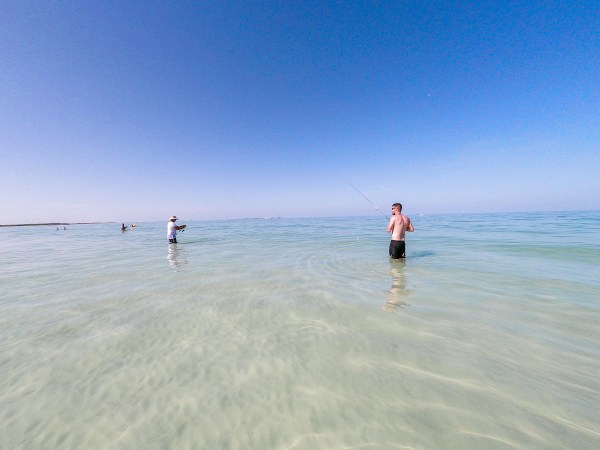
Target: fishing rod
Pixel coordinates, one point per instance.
(375, 206)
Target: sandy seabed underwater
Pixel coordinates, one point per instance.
(302, 334)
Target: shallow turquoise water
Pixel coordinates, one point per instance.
(300, 333)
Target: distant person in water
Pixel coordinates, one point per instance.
(123, 227)
(172, 230)
(398, 226)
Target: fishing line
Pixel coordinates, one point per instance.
(375, 206)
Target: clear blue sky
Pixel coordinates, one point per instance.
(136, 110)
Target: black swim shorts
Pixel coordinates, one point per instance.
(397, 249)
(173, 241)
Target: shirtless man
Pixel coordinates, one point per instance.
(398, 226)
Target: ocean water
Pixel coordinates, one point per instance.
(302, 334)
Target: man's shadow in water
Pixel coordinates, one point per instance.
(177, 258)
(398, 292)
(421, 254)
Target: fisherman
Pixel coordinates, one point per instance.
(398, 226)
(172, 230)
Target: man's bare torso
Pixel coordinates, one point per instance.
(399, 223)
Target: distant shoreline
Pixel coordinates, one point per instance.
(51, 224)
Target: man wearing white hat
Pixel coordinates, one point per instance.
(172, 230)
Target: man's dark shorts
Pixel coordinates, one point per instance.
(173, 241)
(397, 249)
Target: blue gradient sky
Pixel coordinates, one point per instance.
(133, 111)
